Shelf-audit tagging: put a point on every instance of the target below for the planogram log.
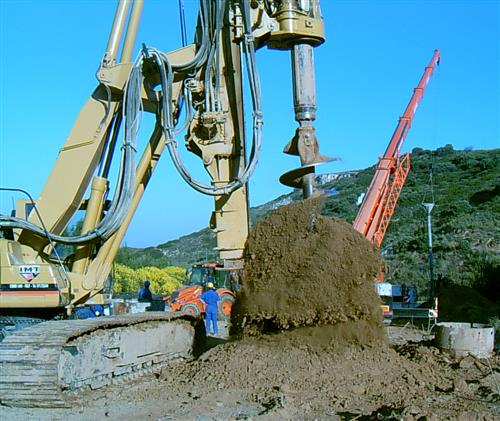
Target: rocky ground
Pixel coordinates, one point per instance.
(307, 343)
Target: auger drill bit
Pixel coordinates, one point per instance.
(304, 143)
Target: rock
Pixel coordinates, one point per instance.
(163, 375)
(460, 385)
(358, 389)
(466, 362)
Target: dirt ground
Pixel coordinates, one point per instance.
(308, 343)
(283, 377)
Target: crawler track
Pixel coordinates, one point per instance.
(41, 366)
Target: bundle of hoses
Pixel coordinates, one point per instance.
(166, 73)
(211, 16)
(126, 180)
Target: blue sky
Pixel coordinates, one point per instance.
(374, 56)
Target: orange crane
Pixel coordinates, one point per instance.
(381, 198)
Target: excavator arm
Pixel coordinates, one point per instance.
(204, 80)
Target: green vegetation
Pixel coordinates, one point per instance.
(139, 258)
(465, 217)
(466, 231)
(495, 324)
(466, 234)
(163, 281)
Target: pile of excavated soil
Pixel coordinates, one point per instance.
(314, 274)
(296, 379)
(279, 377)
(464, 304)
(305, 269)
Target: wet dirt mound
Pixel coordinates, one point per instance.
(296, 379)
(305, 269)
(269, 378)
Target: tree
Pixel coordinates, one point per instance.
(163, 281)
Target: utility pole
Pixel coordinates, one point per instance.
(429, 207)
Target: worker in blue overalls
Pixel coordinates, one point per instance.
(211, 299)
(145, 293)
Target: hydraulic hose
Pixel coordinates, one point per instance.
(166, 76)
(126, 179)
(132, 108)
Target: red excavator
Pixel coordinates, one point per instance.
(187, 299)
(382, 196)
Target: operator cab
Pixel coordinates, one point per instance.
(201, 274)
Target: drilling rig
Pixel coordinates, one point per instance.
(199, 87)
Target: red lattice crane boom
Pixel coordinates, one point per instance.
(390, 175)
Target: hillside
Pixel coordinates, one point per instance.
(466, 233)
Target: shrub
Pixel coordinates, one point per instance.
(163, 281)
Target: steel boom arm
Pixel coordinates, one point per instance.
(203, 79)
(380, 200)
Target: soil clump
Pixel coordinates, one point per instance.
(305, 269)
